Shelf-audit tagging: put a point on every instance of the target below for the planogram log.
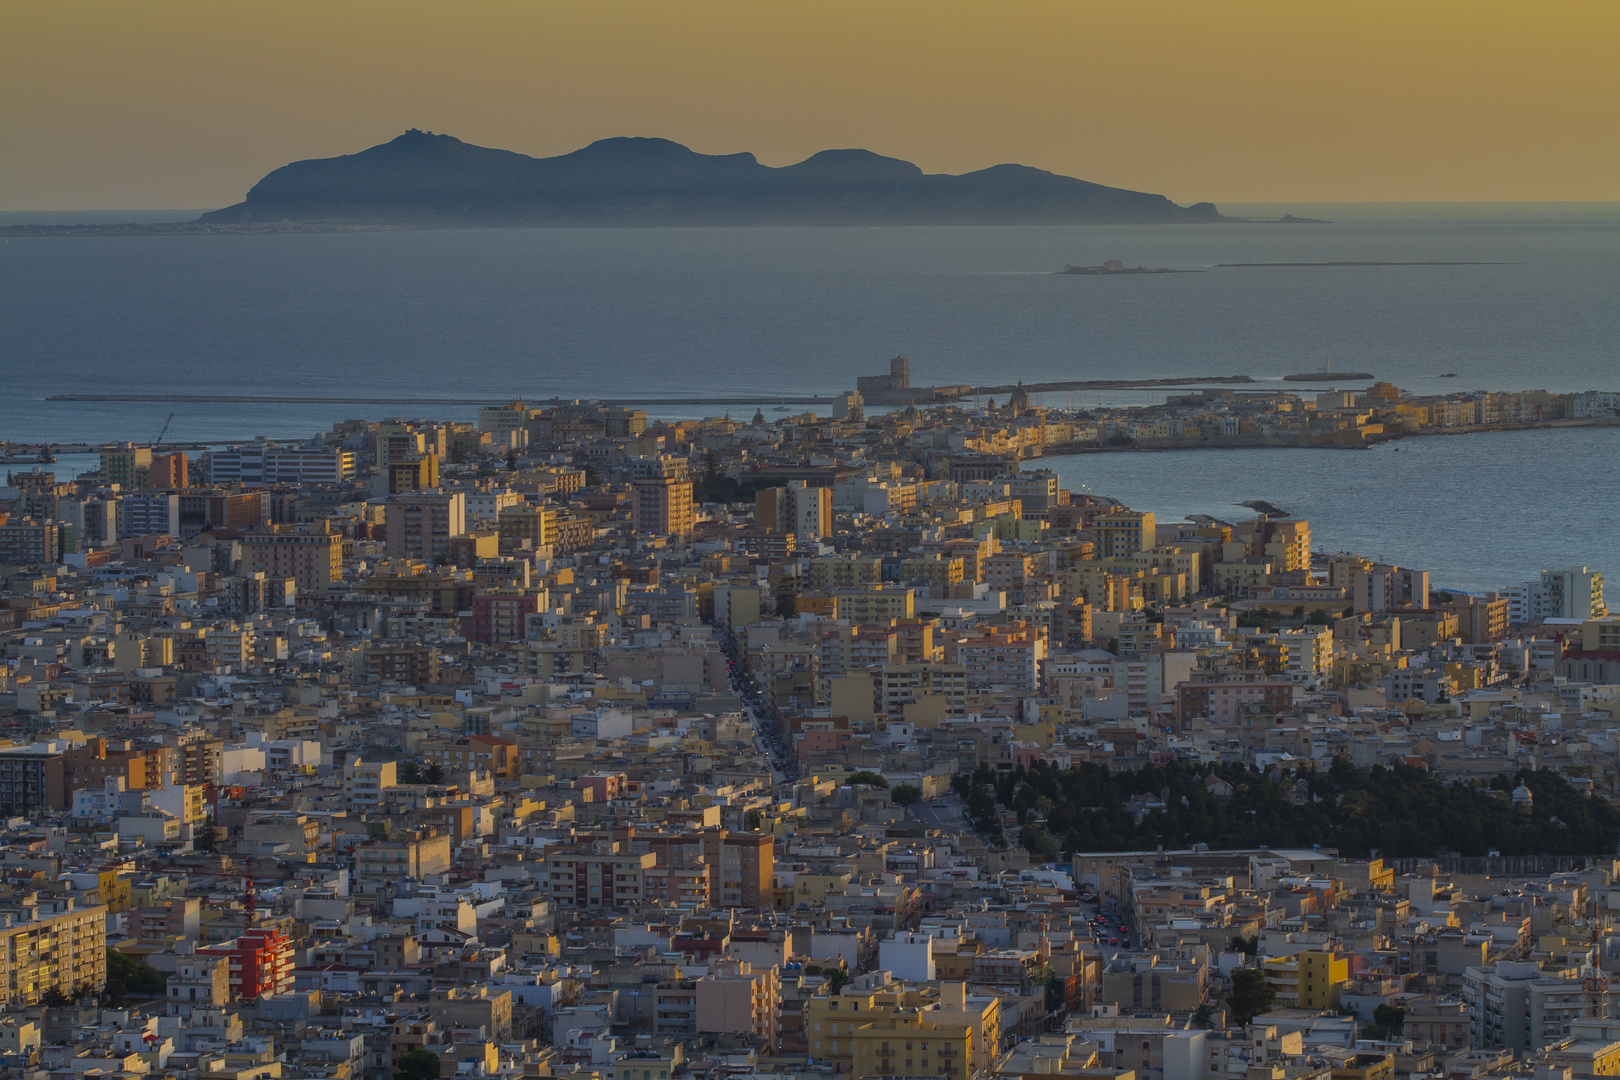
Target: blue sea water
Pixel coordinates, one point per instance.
(1479, 511)
(768, 311)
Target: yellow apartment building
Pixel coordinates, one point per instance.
(844, 572)
(851, 1030)
(312, 554)
(910, 1044)
(526, 527)
(65, 952)
(874, 604)
(1124, 533)
(831, 1020)
(663, 506)
(1307, 980)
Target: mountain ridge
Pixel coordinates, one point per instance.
(428, 180)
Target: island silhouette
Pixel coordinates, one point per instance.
(423, 180)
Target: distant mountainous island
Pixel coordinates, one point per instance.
(422, 180)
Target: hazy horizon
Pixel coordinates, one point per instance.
(1235, 208)
(181, 103)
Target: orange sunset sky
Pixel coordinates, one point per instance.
(186, 104)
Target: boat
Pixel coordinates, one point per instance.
(781, 408)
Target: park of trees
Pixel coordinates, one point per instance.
(1396, 812)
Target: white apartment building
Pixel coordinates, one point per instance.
(1514, 1006)
(262, 462)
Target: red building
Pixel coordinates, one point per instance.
(604, 787)
(685, 883)
(261, 963)
(245, 510)
(167, 471)
(1221, 700)
(502, 615)
(808, 743)
(701, 948)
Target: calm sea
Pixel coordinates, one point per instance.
(761, 311)
(1479, 512)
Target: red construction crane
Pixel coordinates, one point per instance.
(250, 899)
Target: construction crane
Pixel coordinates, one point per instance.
(164, 432)
(250, 896)
(1594, 980)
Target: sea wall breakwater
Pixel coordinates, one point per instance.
(1223, 413)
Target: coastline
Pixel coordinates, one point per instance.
(921, 395)
(1287, 442)
(283, 228)
(1136, 446)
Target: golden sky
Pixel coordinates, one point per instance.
(168, 103)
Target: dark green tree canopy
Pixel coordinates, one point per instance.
(1399, 812)
(418, 1065)
(1250, 995)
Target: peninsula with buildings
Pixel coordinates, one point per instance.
(1114, 266)
(566, 742)
(1326, 376)
(1205, 412)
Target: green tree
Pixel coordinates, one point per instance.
(869, 778)
(418, 1065)
(409, 772)
(1038, 842)
(836, 976)
(55, 999)
(787, 606)
(905, 794)
(1057, 992)
(126, 975)
(981, 805)
(751, 820)
(1388, 1020)
(1247, 945)
(206, 837)
(1250, 995)
(1400, 811)
(434, 773)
